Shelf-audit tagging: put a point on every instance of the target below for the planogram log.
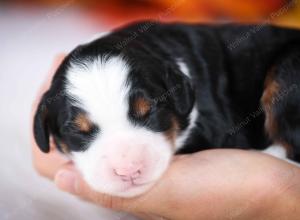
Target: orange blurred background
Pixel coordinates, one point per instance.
(117, 12)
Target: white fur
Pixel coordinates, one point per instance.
(276, 151)
(183, 67)
(100, 88)
(279, 152)
(182, 137)
(193, 115)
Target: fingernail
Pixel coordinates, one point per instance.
(66, 180)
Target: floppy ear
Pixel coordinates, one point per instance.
(180, 91)
(40, 126)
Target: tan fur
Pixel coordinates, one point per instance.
(83, 123)
(271, 90)
(172, 133)
(141, 106)
(64, 148)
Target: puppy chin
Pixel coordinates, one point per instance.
(126, 190)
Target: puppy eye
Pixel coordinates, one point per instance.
(141, 107)
(80, 124)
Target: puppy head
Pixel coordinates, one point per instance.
(117, 118)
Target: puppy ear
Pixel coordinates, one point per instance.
(180, 91)
(40, 126)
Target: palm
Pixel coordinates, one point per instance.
(214, 183)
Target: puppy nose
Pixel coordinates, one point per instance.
(129, 172)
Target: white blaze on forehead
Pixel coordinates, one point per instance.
(100, 87)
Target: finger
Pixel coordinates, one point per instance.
(145, 206)
(69, 180)
(47, 164)
(149, 216)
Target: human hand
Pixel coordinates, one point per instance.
(214, 184)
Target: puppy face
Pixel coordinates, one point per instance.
(118, 119)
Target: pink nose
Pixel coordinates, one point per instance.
(129, 172)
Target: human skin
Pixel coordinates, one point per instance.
(210, 185)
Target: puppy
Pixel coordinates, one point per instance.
(122, 105)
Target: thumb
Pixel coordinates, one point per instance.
(69, 180)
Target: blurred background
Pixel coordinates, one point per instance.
(32, 32)
(117, 12)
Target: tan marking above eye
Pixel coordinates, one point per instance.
(141, 106)
(83, 123)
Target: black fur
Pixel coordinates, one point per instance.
(228, 65)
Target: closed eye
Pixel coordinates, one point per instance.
(77, 139)
(81, 125)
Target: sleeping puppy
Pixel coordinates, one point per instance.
(122, 105)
